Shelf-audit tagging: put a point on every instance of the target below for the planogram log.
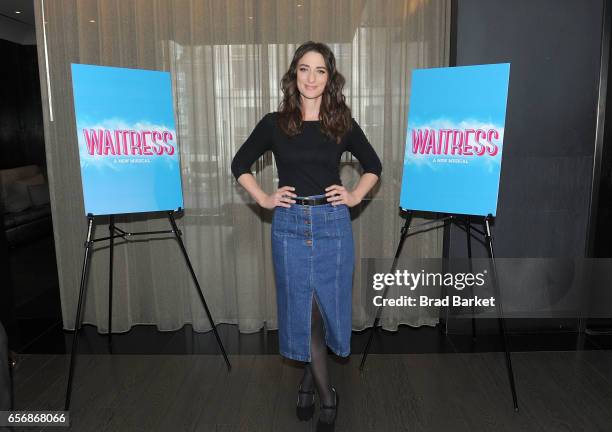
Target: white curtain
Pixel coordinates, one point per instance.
(226, 59)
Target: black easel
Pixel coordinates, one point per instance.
(489, 243)
(115, 232)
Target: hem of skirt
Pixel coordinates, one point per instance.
(296, 357)
(340, 353)
(302, 358)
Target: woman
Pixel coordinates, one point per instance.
(312, 240)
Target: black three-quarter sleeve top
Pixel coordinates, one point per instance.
(309, 161)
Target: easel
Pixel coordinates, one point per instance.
(486, 233)
(115, 232)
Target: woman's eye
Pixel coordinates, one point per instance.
(302, 69)
(321, 71)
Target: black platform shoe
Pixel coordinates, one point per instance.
(323, 426)
(305, 413)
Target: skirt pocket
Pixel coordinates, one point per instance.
(284, 224)
(338, 222)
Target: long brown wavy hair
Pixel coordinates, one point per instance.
(334, 114)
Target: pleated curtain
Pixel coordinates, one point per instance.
(226, 59)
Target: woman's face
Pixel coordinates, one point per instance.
(312, 75)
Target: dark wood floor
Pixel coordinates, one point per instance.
(558, 391)
(415, 379)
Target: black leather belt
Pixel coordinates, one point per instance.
(311, 201)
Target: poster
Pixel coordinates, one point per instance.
(454, 140)
(127, 140)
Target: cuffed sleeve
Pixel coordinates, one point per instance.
(256, 144)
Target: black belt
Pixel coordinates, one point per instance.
(311, 201)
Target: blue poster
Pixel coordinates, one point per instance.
(127, 140)
(454, 140)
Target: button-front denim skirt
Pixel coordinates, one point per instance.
(313, 255)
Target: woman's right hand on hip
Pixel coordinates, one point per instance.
(280, 198)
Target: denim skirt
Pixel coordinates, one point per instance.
(313, 256)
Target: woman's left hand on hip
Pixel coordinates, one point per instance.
(337, 195)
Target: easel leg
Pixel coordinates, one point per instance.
(445, 269)
(77, 322)
(500, 312)
(111, 231)
(404, 233)
(195, 280)
(468, 232)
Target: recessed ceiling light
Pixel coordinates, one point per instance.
(92, 21)
(250, 17)
(17, 12)
(299, 5)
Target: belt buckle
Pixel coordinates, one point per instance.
(309, 201)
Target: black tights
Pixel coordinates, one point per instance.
(316, 372)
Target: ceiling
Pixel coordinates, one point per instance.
(8, 8)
